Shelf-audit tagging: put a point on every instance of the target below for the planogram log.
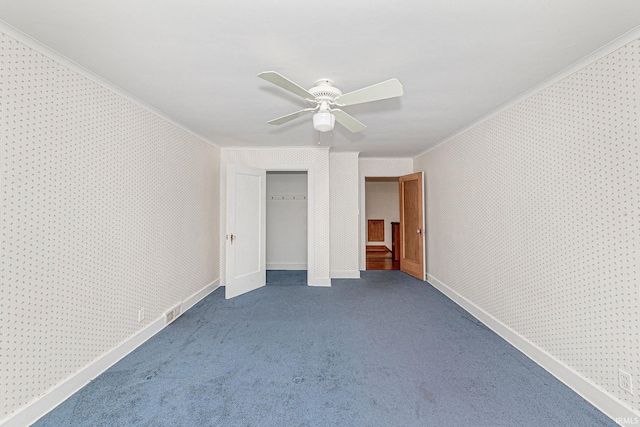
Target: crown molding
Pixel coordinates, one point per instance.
(386, 158)
(598, 54)
(272, 147)
(34, 44)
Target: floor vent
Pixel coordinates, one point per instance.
(172, 314)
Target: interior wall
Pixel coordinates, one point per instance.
(316, 161)
(533, 220)
(286, 221)
(344, 215)
(376, 167)
(382, 202)
(107, 209)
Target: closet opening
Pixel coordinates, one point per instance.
(287, 227)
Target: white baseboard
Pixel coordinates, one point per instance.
(35, 410)
(319, 282)
(602, 400)
(345, 274)
(287, 266)
(200, 295)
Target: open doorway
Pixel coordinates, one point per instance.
(382, 211)
(286, 227)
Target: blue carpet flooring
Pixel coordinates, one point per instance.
(387, 350)
(286, 277)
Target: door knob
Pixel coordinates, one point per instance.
(232, 237)
(417, 231)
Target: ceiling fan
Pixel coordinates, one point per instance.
(326, 97)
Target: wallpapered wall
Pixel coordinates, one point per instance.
(106, 209)
(534, 217)
(344, 214)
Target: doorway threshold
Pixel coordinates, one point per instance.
(287, 277)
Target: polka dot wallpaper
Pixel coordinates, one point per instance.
(105, 209)
(534, 216)
(343, 191)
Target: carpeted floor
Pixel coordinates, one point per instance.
(286, 277)
(387, 350)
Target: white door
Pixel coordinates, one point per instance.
(246, 230)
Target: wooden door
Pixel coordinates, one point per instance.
(246, 230)
(412, 255)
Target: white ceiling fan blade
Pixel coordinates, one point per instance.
(285, 83)
(348, 121)
(289, 117)
(388, 89)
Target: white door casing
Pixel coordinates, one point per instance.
(246, 230)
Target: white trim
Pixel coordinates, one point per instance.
(362, 244)
(384, 158)
(29, 41)
(272, 147)
(345, 274)
(322, 282)
(600, 53)
(287, 266)
(200, 295)
(35, 410)
(311, 210)
(311, 224)
(585, 388)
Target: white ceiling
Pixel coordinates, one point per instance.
(197, 60)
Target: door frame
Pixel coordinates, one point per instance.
(362, 259)
(311, 210)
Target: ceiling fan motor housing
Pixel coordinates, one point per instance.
(324, 90)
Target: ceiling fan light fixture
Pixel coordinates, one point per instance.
(323, 121)
(325, 96)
